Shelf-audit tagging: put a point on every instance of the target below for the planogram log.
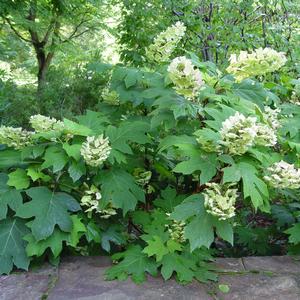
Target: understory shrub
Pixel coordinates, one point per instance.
(180, 162)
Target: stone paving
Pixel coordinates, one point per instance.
(250, 278)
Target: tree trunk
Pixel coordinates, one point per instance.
(44, 61)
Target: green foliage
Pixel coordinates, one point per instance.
(12, 246)
(157, 180)
(48, 209)
(133, 263)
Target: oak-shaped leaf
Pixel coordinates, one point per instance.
(120, 187)
(134, 263)
(12, 245)
(200, 225)
(48, 209)
(9, 197)
(55, 241)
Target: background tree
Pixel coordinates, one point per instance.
(49, 24)
(215, 28)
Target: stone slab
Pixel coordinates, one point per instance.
(84, 279)
(258, 287)
(276, 264)
(32, 285)
(230, 265)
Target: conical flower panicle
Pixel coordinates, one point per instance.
(219, 200)
(165, 43)
(95, 150)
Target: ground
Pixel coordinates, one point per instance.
(254, 278)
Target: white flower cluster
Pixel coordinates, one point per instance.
(256, 63)
(239, 133)
(265, 136)
(283, 175)
(165, 43)
(185, 77)
(15, 137)
(271, 117)
(95, 150)
(42, 123)
(91, 199)
(219, 200)
(176, 230)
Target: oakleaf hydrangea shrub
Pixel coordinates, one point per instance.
(181, 160)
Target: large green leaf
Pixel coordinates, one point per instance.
(251, 91)
(55, 241)
(157, 247)
(200, 231)
(120, 187)
(12, 245)
(294, 233)
(94, 120)
(113, 234)
(48, 209)
(76, 170)
(10, 158)
(18, 179)
(253, 186)
(55, 157)
(169, 199)
(183, 267)
(201, 226)
(133, 263)
(8, 197)
(205, 163)
(134, 131)
(77, 129)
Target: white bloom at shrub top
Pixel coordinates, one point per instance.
(15, 137)
(95, 150)
(256, 63)
(42, 123)
(283, 175)
(219, 200)
(238, 133)
(165, 43)
(185, 77)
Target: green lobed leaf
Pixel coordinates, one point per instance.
(18, 179)
(120, 187)
(9, 197)
(12, 245)
(48, 209)
(134, 263)
(294, 234)
(55, 157)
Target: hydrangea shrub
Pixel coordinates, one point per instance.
(178, 159)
